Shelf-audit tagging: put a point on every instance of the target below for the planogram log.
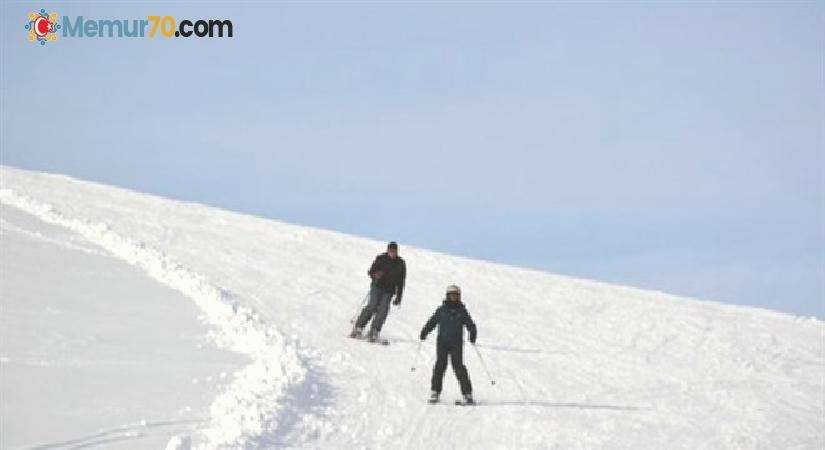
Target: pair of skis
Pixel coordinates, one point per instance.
(380, 341)
(457, 402)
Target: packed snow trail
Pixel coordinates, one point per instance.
(247, 410)
(75, 352)
(578, 364)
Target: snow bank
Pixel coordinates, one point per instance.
(249, 407)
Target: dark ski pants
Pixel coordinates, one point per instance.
(455, 352)
(379, 306)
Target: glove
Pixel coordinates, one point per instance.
(473, 341)
(397, 301)
(423, 337)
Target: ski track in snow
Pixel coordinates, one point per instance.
(246, 414)
(6, 226)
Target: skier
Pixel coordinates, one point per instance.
(451, 318)
(388, 273)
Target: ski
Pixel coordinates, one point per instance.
(457, 403)
(380, 341)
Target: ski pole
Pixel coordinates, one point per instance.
(484, 365)
(417, 355)
(360, 307)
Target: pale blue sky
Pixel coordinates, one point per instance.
(672, 146)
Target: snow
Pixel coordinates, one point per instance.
(93, 351)
(577, 363)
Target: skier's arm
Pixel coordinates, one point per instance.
(429, 325)
(471, 327)
(400, 290)
(375, 272)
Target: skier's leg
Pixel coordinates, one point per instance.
(369, 309)
(457, 361)
(439, 368)
(381, 313)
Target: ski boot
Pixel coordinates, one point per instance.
(468, 400)
(372, 336)
(357, 333)
(433, 397)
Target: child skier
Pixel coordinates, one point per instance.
(451, 318)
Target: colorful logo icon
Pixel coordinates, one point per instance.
(42, 26)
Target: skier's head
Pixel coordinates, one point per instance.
(453, 293)
(392, 249)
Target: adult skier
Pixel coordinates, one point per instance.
(451, 318)
(388, 273)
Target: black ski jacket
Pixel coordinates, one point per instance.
(451, 318)
(389, 274)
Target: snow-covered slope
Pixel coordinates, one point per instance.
(93, 351)
(578, 364)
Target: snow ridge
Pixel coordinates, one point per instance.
(248, 408)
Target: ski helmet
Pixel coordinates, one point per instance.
(453, 289)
